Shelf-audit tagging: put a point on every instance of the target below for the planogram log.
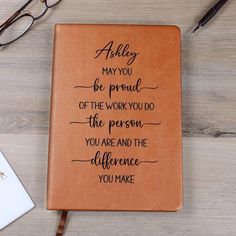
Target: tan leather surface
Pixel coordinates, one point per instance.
(156, 184)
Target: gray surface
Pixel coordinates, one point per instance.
(209, 118)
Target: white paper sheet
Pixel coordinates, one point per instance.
(14, 200)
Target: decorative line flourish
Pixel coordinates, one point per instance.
(138, 90)
(78, 122)
(150, 162)
(140, 162)
(80, 86)
(81, 160)
(106, 161)
(151, 124)
(87, 122)
(149, 88)
(132, 88)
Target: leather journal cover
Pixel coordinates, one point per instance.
(115, 131)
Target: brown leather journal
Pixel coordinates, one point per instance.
(115, 131)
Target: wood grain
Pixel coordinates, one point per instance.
(209, 114)
(209, 184)
(208, 62)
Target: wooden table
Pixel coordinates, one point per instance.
(209, 118)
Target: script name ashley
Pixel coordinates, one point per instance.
(122, 50)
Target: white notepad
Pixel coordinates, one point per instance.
(14, 200)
